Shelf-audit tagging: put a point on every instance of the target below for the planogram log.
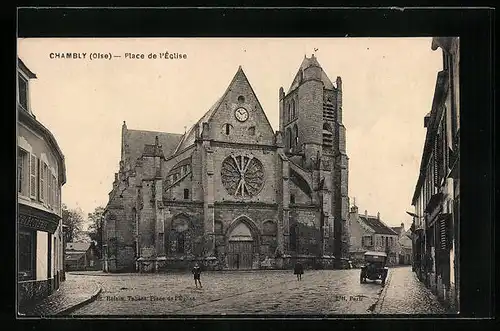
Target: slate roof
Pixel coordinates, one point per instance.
(307, 62)
(377, 225)
(189, 137)
(397, 229)
(138, 139)
(77, 246)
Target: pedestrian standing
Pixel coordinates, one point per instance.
(298, 270)
(197, 273)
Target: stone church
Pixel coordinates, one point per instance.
(230, 193)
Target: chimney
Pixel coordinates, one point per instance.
(366, 214)
(378, 216)
(402, 227)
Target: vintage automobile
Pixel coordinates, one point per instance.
(374, 268)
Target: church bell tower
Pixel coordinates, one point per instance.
(315, 139)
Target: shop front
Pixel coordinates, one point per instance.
(39, 254)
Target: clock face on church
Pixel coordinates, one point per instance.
(241, 114)
(242, 175)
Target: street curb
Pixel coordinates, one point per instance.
(92, 298)
(380, 301)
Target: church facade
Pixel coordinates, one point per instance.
(231, 193)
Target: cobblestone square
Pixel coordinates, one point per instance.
(260, 292)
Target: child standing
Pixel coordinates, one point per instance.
(197, 273)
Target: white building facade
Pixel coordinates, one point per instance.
(40, 176)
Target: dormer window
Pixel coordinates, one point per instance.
(23, 91)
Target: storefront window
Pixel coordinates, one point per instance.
(26, 255)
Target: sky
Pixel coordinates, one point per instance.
(388, 86)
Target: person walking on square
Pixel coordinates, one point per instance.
(298, 270)
(197, 273)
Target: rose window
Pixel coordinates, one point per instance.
(242, 175)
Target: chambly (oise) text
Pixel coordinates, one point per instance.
(109, 56)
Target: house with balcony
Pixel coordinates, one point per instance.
(370, 233)
(40, 175)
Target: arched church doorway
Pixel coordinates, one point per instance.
(240, 247)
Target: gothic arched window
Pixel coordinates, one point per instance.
(293, 109)
(288, 138)
(289, 118)
(295, 136)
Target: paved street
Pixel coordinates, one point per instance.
(404, 294)
(260, 292)
(75, 290)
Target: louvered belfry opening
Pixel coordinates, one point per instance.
(327, 136)
(328, 116)
(328, 112)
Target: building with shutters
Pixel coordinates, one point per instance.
(40, 176)
(404, 247)
(231, 193)
(370, 233)
(436, 197)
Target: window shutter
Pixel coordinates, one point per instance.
(443, 234)
(33, 171)
(440, 155)
(435, 159)
(54, 190)
(49, 189)
(42, 181)
(56, 194)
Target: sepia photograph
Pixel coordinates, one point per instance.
(238, 176)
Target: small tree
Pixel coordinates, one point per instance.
(95, 231)
(73, 220)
